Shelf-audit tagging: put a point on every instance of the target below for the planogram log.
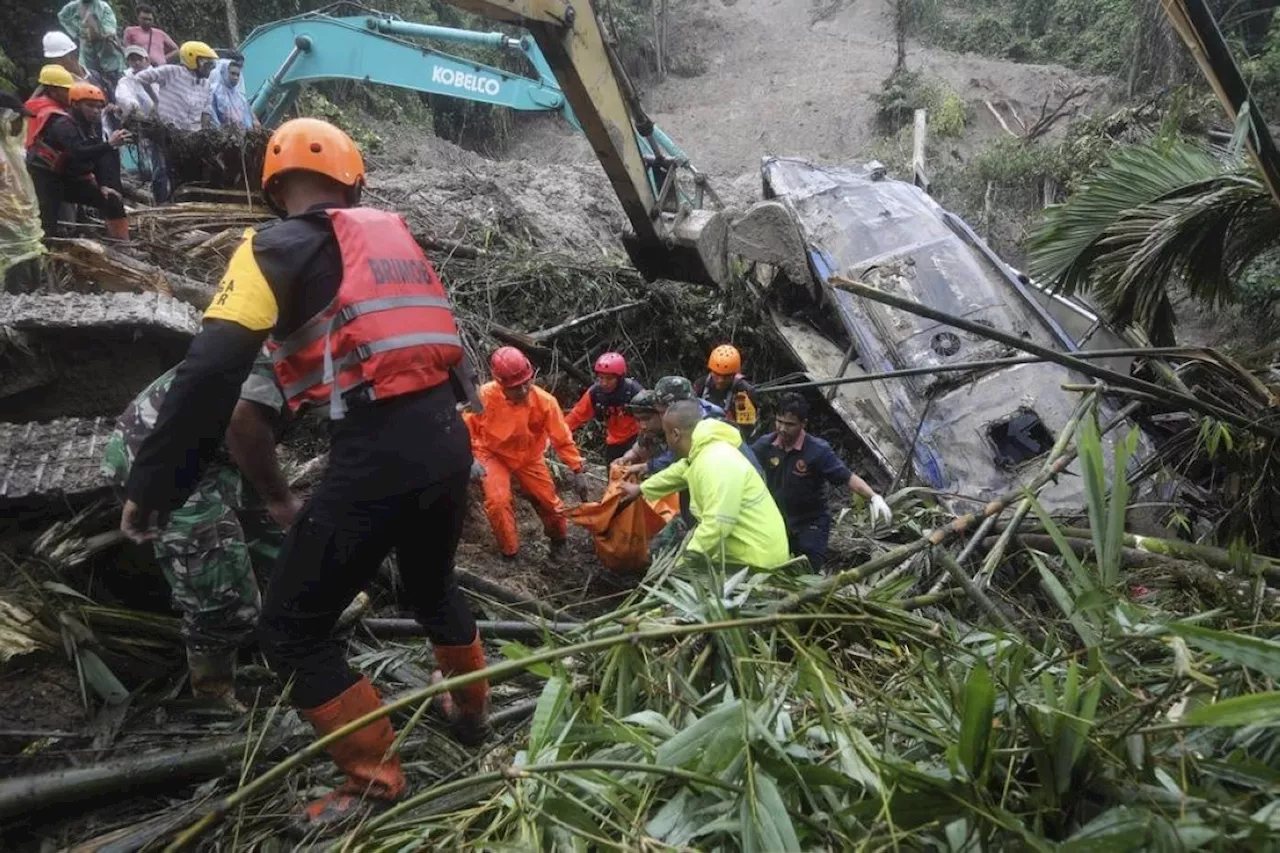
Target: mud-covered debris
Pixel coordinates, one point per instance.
(57, 459)
(55, 311)
(84, 355)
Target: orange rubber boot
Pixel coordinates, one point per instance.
(468, 710)
(118, 229)
(359, 755)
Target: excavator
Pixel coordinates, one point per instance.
(674, 233)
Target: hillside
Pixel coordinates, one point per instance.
(781, 77)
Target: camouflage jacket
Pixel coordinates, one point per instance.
(137, 421)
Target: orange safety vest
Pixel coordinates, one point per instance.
(44, 108)
(388, 331)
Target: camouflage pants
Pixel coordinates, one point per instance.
(205, 555)
(668, 538)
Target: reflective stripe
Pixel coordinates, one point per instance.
(369, 306)
(311, 380)
(318, 326)
(308, 333)
(363, 351)
(325, 374)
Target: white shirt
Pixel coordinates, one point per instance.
(132, 97)
(183, 97)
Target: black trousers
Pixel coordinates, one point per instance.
(614, 452)
(333, 551)
(52, 190)
(809, 538)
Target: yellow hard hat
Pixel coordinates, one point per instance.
(56, 75)
(192, 52)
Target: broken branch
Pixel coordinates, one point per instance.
(1069, 361)
(548, 334)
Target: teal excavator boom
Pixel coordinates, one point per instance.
(576, 73)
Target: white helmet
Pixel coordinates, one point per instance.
(57, 44)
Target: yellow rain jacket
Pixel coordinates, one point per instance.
(738, 522)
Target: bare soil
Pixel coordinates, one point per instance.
(795, 78)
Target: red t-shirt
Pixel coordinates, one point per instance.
(156, 42)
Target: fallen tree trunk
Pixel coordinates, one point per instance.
(59, 787)
(488, 629)
(486, 587)
(1215, 558)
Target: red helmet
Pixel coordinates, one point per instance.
(612, 364)
(510, 367)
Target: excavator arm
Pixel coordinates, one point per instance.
(673, 236)
(668, 242)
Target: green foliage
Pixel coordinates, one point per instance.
(905, 91)
(1095, 36)
(1157, 214)
(312, 103)
(1259, 284)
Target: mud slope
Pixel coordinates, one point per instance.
(785, 77)
(782, 78)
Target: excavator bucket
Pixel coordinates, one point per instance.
(693, 247)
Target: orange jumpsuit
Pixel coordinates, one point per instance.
(509, 439)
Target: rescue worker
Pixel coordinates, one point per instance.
(66, 158)
(726, 387)
(60, 49)
(606, 400)
(509, 439)
(205, 549)
(798, 467)
(737, 520)
(360, 327)
(651, 454)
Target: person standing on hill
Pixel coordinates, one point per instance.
(93, 23)
(359, 328)
(186, 99)
(160, 47)
(66, 155)
(606, 400)
(509, 439)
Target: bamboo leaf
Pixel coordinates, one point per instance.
(1094, 471)
(1248, 710)
(100, 677)
(781, 833)
(555, 697)
(1082, 580)
(1256, 653)
(686, 745)
(514, 650)
(975, 724)
(1119, 830)
(1065, 603)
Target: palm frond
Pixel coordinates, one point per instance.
(1152, 217)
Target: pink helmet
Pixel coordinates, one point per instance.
(612, 364)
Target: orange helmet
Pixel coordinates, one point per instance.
(510, 367)
(82, 91)
(312, 145)
(725, 360)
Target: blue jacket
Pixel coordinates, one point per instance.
(798, 478)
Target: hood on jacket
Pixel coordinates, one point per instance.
(711, 430)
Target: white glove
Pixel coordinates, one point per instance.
(880, 509)
(477, 471)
